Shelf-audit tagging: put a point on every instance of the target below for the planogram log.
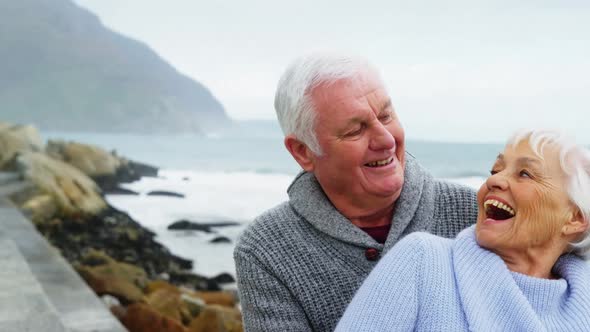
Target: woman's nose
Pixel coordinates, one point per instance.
(381, 139)
(497, 181)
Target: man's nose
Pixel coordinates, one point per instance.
(381, 138)
(497, 181)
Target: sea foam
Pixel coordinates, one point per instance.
(209, 197)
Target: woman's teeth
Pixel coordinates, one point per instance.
(380, 162)
(499, 205)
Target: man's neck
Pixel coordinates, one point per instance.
(371, 218)
(365, 211)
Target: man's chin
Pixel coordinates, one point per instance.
(390, 188)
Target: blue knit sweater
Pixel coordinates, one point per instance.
(455, 285)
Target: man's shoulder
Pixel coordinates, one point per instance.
(453, 188)
(269, 227)
(456, 198)
(455, 208)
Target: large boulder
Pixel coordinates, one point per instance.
(222, 298)
(139, 317)
(107, 276)
(178, 303)
(91, 160)
(74, 193)
(107, 169)
(40, 208)
(187, 225)
(15, 139)
(215, 318)
(168, 302)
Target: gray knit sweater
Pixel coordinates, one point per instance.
(300, 263)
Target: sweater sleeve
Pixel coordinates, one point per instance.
(267, 304)
(455, 209)
(388, 299)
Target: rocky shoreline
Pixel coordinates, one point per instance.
(146, 287)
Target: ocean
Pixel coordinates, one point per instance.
(236, 174)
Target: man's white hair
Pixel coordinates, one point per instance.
(575, 163)
(293, 104)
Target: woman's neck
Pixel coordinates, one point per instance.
(535, 262)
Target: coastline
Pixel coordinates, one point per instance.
(138, 278)
(211, 198)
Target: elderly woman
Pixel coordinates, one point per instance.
(520, 268)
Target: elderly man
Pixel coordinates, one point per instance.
(300, 263)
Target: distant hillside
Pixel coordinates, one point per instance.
(61, 69)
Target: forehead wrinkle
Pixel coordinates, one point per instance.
(361, 119)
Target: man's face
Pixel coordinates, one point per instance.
(362, 142)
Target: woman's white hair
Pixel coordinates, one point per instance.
(575, 163)
(293, 104)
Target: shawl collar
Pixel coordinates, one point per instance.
(485, 282)
(309, 200)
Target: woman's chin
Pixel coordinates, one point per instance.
(488, 231)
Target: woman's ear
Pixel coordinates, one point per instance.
(576, 225)
(300, 152)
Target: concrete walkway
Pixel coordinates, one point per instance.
(39, 290)
(23, 303)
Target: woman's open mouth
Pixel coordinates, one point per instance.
(497, 210)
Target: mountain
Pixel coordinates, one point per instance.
(62, 69)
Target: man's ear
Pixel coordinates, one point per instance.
(302, 154)
(576, 225)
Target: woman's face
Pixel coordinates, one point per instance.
(523, 204)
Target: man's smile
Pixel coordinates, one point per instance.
(380, 163)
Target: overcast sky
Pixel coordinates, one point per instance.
(469, 70)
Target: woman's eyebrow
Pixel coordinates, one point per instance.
(527, 161)
(521, 161)
(499, 159)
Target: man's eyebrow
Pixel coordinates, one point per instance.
(386, 105)
(353, 121)
(382, 110)
(500, 157)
